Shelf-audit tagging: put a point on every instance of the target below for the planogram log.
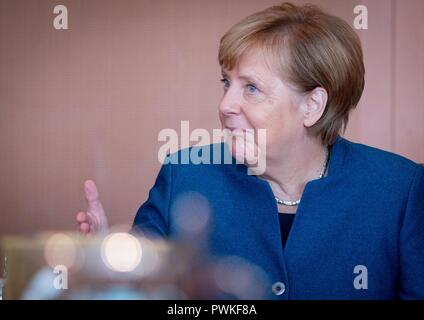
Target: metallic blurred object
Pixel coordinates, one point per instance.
(3, 276)
(63, 265)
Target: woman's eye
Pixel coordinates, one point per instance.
(251, 88)
(226, 83)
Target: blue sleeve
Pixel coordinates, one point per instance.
(412, 242)
(153, 216)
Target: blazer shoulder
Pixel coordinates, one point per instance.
(211, 157)
(379, 161)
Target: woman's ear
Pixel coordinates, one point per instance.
(314, 106)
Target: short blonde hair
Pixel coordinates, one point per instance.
(312, 49)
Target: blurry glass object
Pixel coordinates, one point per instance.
(3, 276)
(63, 265)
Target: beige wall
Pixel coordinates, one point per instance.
(88, 102)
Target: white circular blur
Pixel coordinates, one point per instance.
(121, 252)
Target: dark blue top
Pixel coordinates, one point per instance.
(358, 232)
(286, 221)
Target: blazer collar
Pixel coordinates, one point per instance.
(337, 157)
(336, 162)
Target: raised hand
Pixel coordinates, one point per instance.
(93, 220)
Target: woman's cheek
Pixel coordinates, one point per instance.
(254, 98)
(244, 146)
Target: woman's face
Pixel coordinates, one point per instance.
(255, 97)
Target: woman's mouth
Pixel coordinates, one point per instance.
(235, 131)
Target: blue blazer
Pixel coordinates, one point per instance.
(358, 232)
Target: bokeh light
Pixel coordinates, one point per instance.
(60, 249)
(151, 261)
(236, 276)
(121, 252)
(191, 211)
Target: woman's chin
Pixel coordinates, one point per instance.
(248, 156)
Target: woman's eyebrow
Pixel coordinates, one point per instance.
(245, 77)
(252, 78)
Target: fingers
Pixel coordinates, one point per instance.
(81, 217)
(92, 196)
(94, 219)
(84, 227)
(83, 222)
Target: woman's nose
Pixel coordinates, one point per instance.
(230, 103)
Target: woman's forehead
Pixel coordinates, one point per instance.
(253, 63)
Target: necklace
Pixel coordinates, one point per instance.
(296, 202)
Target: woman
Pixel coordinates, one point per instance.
(328, 218)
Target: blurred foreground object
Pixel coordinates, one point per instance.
(63, 265)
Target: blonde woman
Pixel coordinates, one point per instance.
(325, 210)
